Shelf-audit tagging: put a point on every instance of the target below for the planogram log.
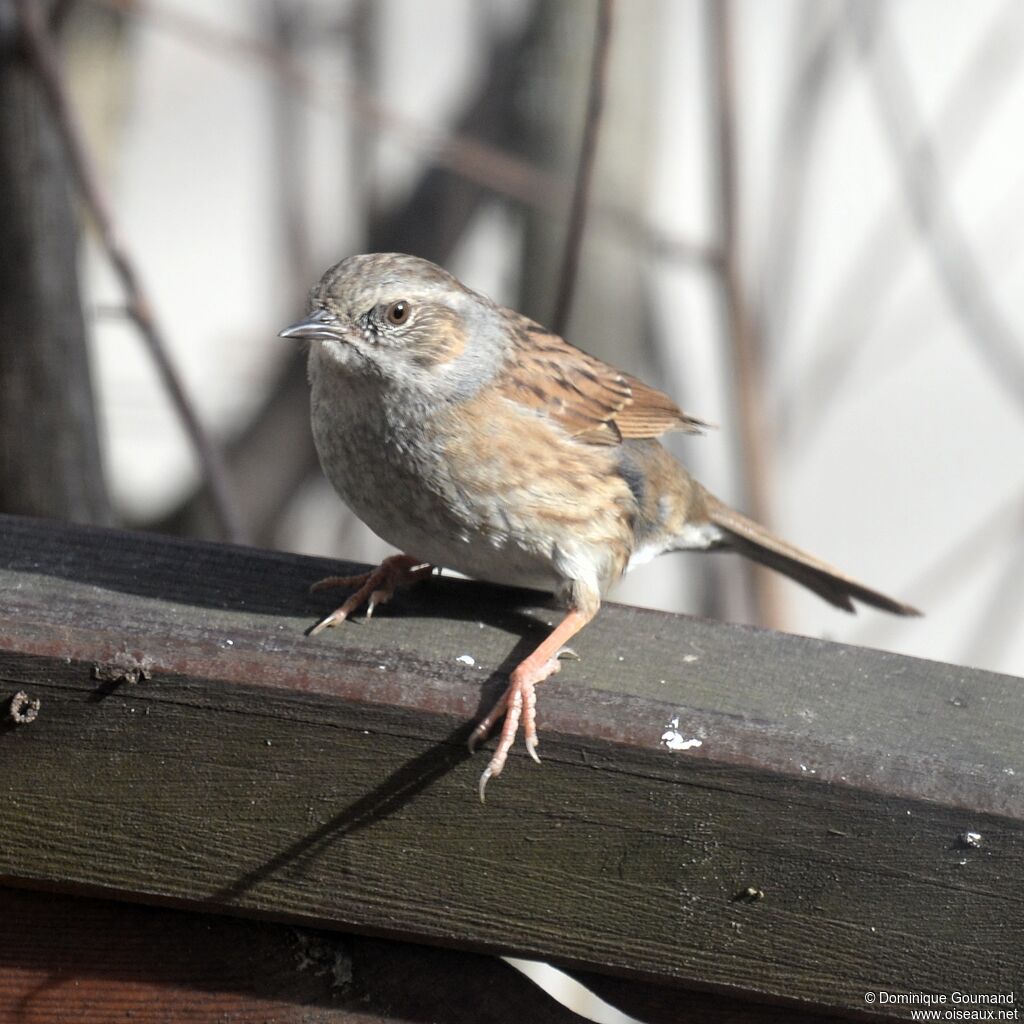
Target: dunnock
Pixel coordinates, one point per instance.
(470, 437)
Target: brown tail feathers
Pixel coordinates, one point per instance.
(756, 543)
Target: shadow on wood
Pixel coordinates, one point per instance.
(771, 817)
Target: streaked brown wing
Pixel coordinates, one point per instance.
(593, 401)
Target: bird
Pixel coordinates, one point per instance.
(471, 438)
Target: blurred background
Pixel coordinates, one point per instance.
(802, 219)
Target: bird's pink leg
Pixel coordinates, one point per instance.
(374, 588)
(519, 701)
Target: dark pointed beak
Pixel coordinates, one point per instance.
(319, 324)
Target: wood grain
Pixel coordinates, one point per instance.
(325, 781)
(68, 958)
(64, 958)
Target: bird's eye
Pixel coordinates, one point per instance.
(398, 312)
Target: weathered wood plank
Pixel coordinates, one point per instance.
(67, 958)
(89, 961)
(325, 781)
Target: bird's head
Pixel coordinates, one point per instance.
(405, 322)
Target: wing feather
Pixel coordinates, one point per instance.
(593, 401)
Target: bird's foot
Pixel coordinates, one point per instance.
(373, 588)
(517, 703)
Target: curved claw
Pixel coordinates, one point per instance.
(375, 588)
(377, 598)
(531, 745)
(339, 615)
(519, 701)
(482, 785)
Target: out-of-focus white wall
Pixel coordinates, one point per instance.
(918, 445)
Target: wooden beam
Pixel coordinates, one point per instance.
(68, 958)
(850, 820)
(64, 958)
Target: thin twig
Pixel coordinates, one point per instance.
(743, 333)
(290, 151)
(584, 169)
(43, 56)
(482, 164)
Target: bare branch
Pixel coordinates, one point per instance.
(475, 161)
(290, 155)
(742, 332)
(585, 168)
(43, 57)
(50, 459)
